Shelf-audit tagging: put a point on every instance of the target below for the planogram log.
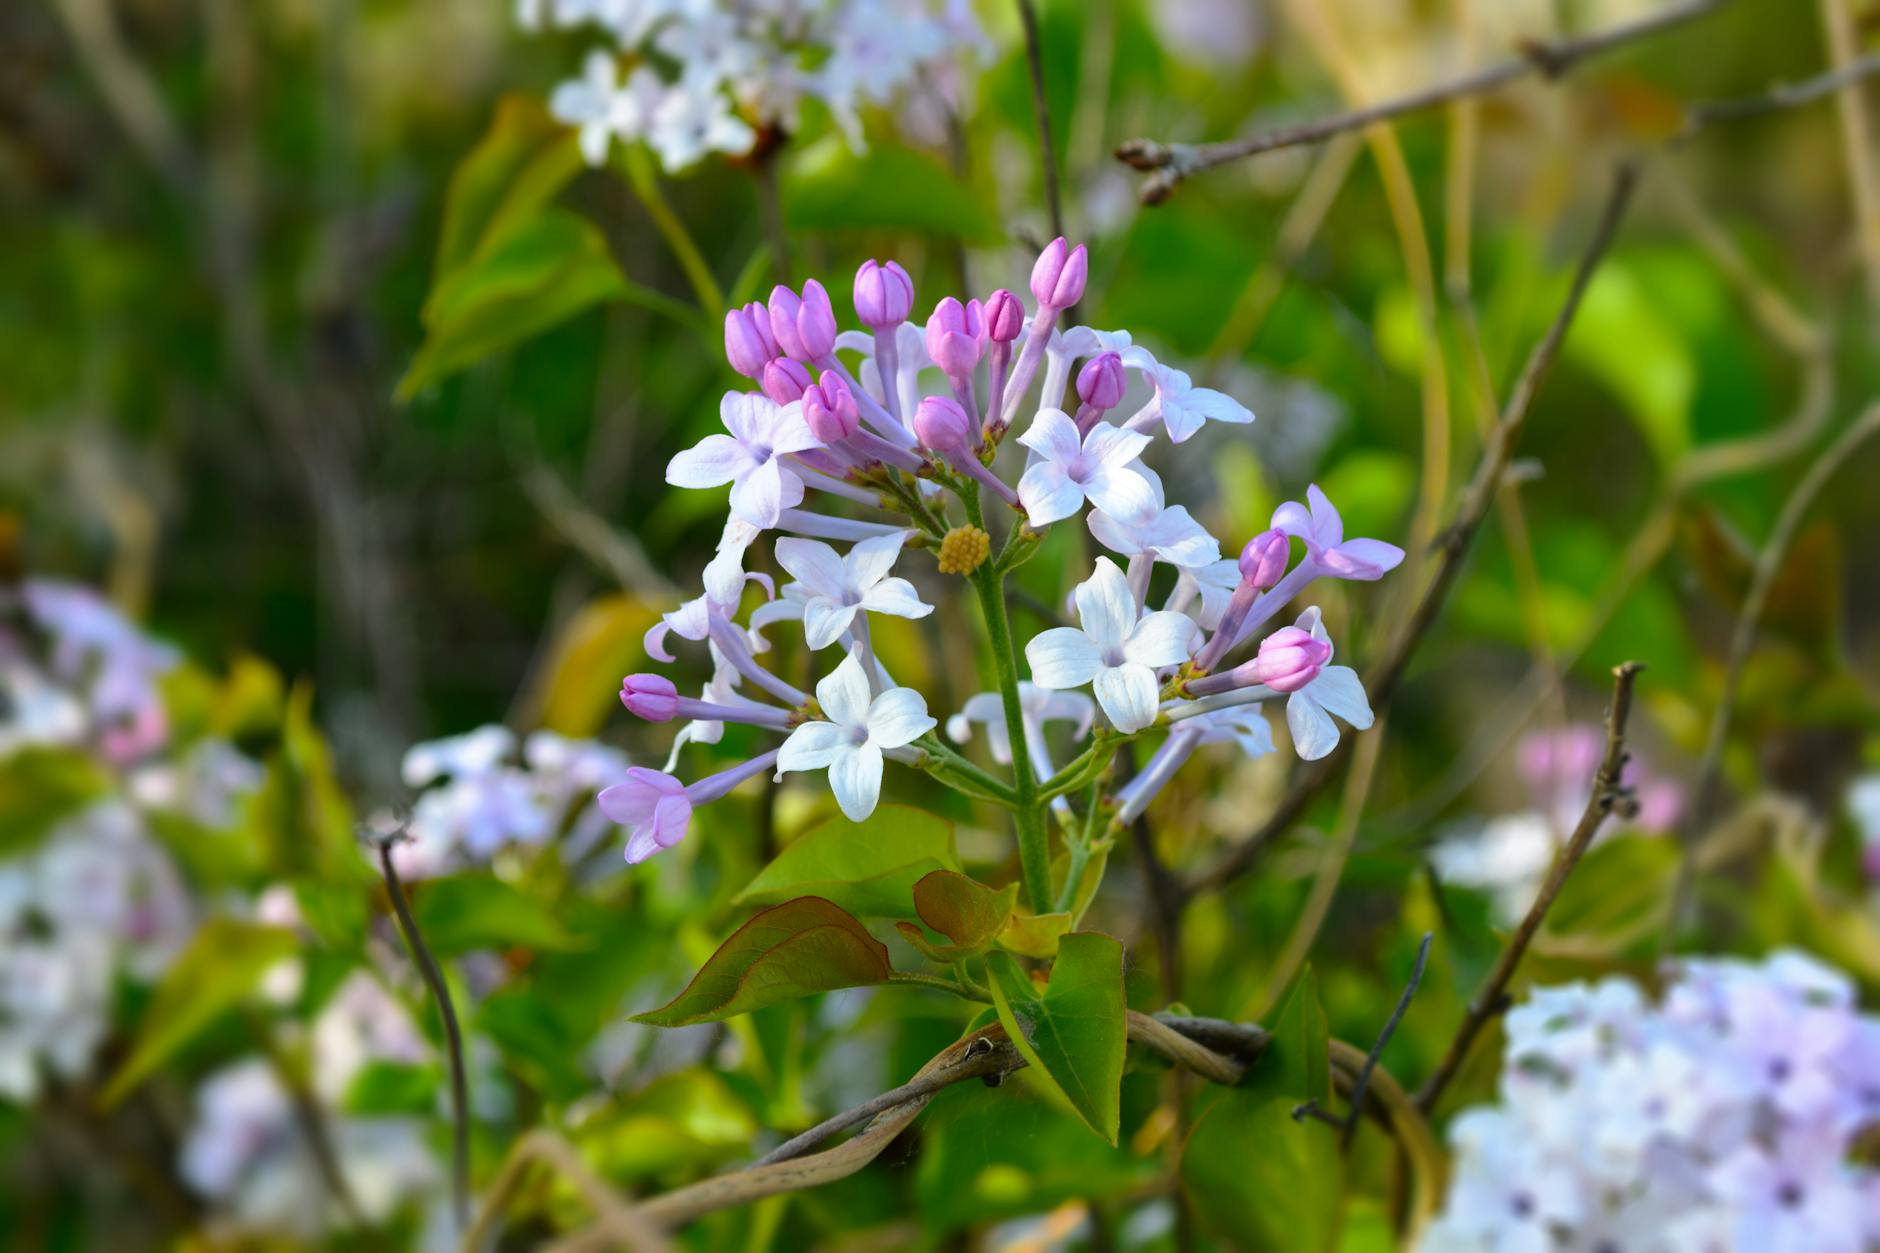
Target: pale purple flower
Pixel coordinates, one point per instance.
(1117, 649)
(1336, 690)
(1069, 469)
(1180, 406)
(838, 587)
(602, 108)
(857, 728)
(1318, 524)
(1170, 535)
(653, 806)
(750, 457)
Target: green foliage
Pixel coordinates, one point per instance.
(222, 964)
(798, 948)
(40, 788)
(830, 188)
(1073, 1029)
(868, 868)
(680, 1121)
(967, 912)
(461, 913)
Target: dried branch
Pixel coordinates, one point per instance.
(1477, 498)
(1781, 97)
(1171, 163)
(1383, 1037)
(453, 1035)
(1699, 814)
(1608, 794)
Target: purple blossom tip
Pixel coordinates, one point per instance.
(1005, 317)
(1100, 383)
(956, 336)
(1288, 660)
(650, 696)
(749, 344)
(1263, 560)
(1059, 276)
(830, 409)
(941, 424)
(785, 380)
(805, 326)
(884, 295)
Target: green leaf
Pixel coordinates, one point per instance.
(337, 913)
(681, 1121)
(300, 814)
(1296, 1063)
(964, 910)
(41, 787)
(539, 272)
(798, 948)
(386, 1088)
(1074, 1030)
(219, 968)
(868, 868)
(1258, 1178)
(1623, 337)
(463, 912)
(830, 188)
(1035, 935)
(519, 166)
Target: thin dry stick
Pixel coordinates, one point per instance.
(1608, 793)
(1041, 106)
(617, 552)
(1702, 809)
(1399, 1115)
(1171, 163)
(1452, 546)
(1857, 139)
(453, 1035)
(616, 1220)
(1383, 1037)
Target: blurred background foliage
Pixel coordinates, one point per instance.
(317, 344)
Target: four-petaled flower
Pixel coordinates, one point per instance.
(850, 743)
(652, 806)
(1070, 469)
(1336, 690)
(1182, 407)
(750, 458)
(836, 588)
(1326, 546)
(1117, 651)
(1170, 535)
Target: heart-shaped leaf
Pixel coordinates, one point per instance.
(869, 868)
(1073, 1029)
(798, 948)
(964, 910)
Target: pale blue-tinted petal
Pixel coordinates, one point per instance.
(1048, 493)
(1314, 733)
(896, 597)
(1327, 526)
(814, 564)
(765, 492)
(1161, 639)
(1361, 559)
(869, 561)
(824, 621)
(713, 461)
(1062, 657)
(1293, 519)
(1128, 695)
(898, 716)
(1121, 537)
(843, 693)
(1339, 691)
(1112, 446)
(1106, 607)
(855, 778)
(1121, 492)
(812, 746)
(1053, 436)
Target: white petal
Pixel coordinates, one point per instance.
(1161, 639)
(1121, 492)
(898, 716)
(843, 693)
(1068, 707)
(1338, 691)
(869, 561)
(814, 564)
(1106, 607)
(763, 493)
(855, 778)
(714, 460)
(1062, 657)
(1053, 436)
(896, 597)
(789, 430)
(824, 621)
(1048, 494)
(1111, 446)
(1117, 536)
(1128, 695)
(812, 746)
(1314, 733)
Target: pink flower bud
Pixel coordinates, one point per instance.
(649, 696)
(1264, 559)
(805, 326)
(749, 345)
(1005, 317)
(1100, 383)
(956, 336)
(830, 409)
(941, 424)
(1058, 278)
(884, 295)
(1289, 659)
(784, 380)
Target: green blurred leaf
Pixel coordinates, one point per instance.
(520, 165)
(1373, 491)
(1074, 1029)
(680, 1121)
(1296, 1063)
(869, 868)
(964, 910)
(212, 976)
(1623, 338)
(798, 948)
(603, 637)
(41, 787)
(1618, 893)
(300, 814)
(337, 913)
(889, 187)
(382, 1088)
(460, 913)
(1035, 935)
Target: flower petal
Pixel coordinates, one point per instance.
(1314, 734)
(1121, 492)
(898, 716)
(764, 493)
(1112, 446)
(1339, 691)
(812, 746)
(855, 778)
(1048, 493)
(789, 431)
(825, 620)
(1062, 657)
(1293, 519)
(712, 462)
(1115, 535)
(1326, 524)
(1128, 695)
(869, 561)
(843, 693)
(896, 597)
(814, 564)
(1161, 639)
(1053, 436)
(1361, 559)
(1106, 607)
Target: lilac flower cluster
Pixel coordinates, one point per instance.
(899, 423)
(1724, 1117)
(738, 69)
(477, 800)
(1509, 855)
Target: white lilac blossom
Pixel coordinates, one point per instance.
(1508, 855)
(906, 423)
(1725, 1116)
(740, 70)
(478, 799)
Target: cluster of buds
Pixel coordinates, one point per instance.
(873, 438)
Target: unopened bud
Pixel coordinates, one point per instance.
(1288, 660)
(1005, 317)
(749, 345)
(956, 336)
(884, 295)
(784, 380)
(1100, 383)
(941, 424)
(830, 409)
(1264, 559)
(650, 696)
(1059, 275)
(805, 326)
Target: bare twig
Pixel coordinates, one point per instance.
(1387, 1102)
(1041, 105)
(1171, 163)
(1383, 1037)
(453, 1035)
(1477, 498)
(616, 1220)
(1703, 804)
(1607, 794)
(1780, 97)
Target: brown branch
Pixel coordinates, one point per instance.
(1041, 105)
(1781, 97)
(1477, 498)
(1608, 793)
(1704, 792)
(1171, 163)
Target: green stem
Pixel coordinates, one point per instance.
(645, 185)
(1034, 850)
(1085, 768)
(1081, 849)
(949, 767)
(964, 988)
